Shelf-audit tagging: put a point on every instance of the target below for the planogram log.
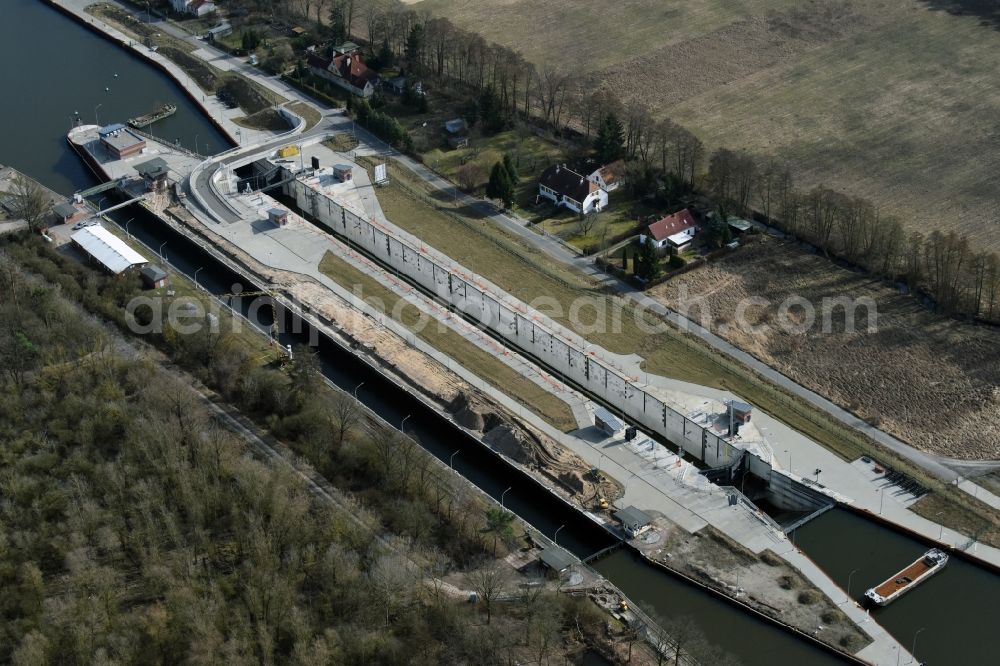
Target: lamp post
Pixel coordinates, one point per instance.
(881, 498)
(126, 229)
(196, 276)
(555, 537)
(402, 424)
(789, 460)
(941, 533)
(913, 648)
(451, 461)
(196, 144)
(161, 249)
(356, 391)
(849, 577)
(96, 121)
(501, 497)
(100, 202)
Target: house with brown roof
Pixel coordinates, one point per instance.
(346, 69)
(676, 231)
(610, 176)
(572, 190)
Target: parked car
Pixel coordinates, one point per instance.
(79, 225)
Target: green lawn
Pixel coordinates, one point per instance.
(620, 217)
(482, 363)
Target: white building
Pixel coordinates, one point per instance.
(111, 252)
(609, 177)
(569, 189)
(195, 7)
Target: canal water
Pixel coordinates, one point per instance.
(955, 612)
(48, 79)
(54, 68)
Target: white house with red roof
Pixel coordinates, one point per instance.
(676, 231)
(572, 190)
(346, 69)
(610, 176)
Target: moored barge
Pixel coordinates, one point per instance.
(893, 588)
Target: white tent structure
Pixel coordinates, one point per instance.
(107, 249)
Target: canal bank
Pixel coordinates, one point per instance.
(192, 268)
(534, 501)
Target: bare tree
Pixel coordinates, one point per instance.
(470, 176)
(489, 581)
(343, 417)
(552, 84)
(30, 202)
(391, 579)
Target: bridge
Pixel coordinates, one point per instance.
(97, 189)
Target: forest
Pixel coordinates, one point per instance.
(136, 527)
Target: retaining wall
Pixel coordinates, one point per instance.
(516, 324)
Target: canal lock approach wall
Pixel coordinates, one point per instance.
(555, 347)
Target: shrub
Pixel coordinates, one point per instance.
(808, 597)
(770, 559)
(787, 583)
(676, 261)
(832, 616)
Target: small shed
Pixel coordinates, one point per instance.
(218, 31)
(68, 213)
(739, 225)
(633, 521)
(343, 172)
(396, 85)
(154, 277)
(278, 217)
(606, 422)
(456, 126)
(556, 559)
(740, 411)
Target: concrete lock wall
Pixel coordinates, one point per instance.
(533, 333)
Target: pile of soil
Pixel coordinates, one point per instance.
(511, 443)
(468, 412)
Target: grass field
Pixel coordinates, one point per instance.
(927, 379)
(894, 100)
(532, 396)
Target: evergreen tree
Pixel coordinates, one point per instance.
(610, 137)
(647, 262)
(500, 185)
(508, 164)
(338, 23)
(414, 49)
(489, 110)
(385, 57)
(718, 233)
